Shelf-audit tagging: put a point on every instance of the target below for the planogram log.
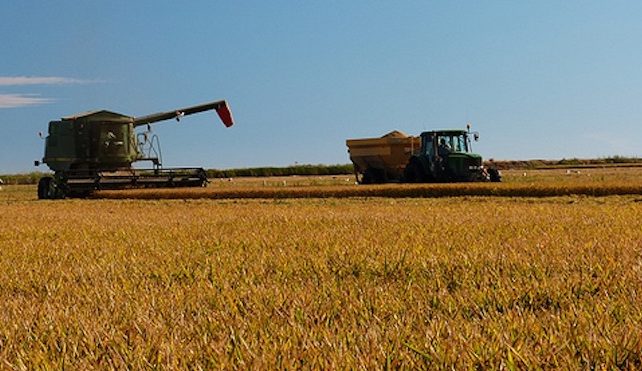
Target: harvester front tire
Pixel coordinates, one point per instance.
(45, 191)
(48, 190)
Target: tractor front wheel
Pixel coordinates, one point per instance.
(494, 175)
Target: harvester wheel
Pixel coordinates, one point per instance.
(46, 188)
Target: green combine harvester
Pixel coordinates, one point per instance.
(95, 150)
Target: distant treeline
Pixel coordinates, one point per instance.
(28, 178)
(567, 163)
(32, 178)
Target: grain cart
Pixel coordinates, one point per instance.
(379, 160)
(95, 150)
(434, 156)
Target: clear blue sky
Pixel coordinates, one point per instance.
(537, 79)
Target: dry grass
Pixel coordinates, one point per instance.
(467, 282)
(538, 183)
(387, 190)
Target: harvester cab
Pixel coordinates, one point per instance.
(95, 150)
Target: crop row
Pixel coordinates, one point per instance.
(389, 191)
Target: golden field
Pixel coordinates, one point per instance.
(448, 282)
(535, 183)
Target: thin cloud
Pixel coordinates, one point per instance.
(40, 80)
(21, 100)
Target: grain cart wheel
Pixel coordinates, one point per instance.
(369, 176)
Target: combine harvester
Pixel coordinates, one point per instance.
(434, 156)
(95, 150)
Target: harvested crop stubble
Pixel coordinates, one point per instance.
(388, 191)
(477, 282)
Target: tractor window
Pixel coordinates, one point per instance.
(428, 146)
(457, 143)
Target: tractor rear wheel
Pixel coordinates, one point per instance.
(414, 173)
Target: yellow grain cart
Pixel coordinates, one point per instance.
(380, 160)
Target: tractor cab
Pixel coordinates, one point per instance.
(443, 143)
(449, 155)
(446, 156)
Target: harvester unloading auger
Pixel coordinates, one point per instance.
(95, 150)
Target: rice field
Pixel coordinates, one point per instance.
(538, 183)
(461, 282)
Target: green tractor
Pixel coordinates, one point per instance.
(446, 156)
(95, 150)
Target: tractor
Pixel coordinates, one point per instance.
(434, 156)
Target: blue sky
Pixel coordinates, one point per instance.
(537, 79)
